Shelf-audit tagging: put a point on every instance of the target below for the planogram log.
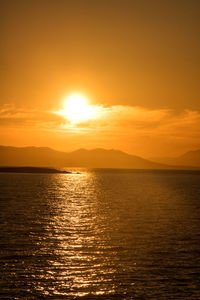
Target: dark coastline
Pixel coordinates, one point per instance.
(32, 170)
(47, 170)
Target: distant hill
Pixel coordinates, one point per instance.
(97, 158)
(100, 158)
(190, 158)
(30, 156)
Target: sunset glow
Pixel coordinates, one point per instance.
(76, 109)
(101, 74)
(100, 149)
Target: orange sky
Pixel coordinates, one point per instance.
(138, 60)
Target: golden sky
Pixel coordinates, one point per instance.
(136, 61)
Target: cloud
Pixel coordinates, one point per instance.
(146, 122)
(12, 116)
(126, 121)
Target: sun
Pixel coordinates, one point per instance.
(77, 109)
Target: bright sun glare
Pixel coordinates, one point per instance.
(77, 109)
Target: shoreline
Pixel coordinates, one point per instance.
(40, 170)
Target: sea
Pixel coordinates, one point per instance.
(100, 234)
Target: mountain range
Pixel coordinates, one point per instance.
(96, 158)
(190, 158)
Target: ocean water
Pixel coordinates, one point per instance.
(101, 234)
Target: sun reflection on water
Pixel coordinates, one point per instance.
(80, 263)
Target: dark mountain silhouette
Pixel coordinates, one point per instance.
(101, 158)
(190, 158)
(97, 158)
(30, 156)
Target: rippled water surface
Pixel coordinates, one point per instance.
(100, 234)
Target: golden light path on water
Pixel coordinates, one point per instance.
(80, 240)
